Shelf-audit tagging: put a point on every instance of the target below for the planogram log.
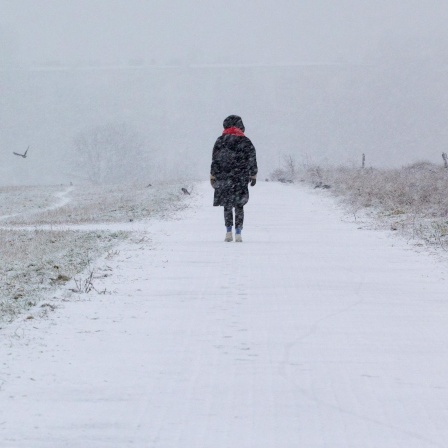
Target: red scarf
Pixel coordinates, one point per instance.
(233, 131)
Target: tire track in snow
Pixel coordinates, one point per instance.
(314, 327)
(283, 372)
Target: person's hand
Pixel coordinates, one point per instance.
(253, 180)
(212, 181)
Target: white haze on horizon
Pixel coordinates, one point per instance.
(321, 80)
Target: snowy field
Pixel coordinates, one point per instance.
(86, 204)
(43, 244)
(17, 200)
(314, 332)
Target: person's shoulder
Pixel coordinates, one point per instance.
(248, 140)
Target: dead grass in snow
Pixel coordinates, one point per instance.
(35, 262)
(412, 200)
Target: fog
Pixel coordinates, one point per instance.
(323, 81)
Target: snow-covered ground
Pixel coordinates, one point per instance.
(88, 204)
(16, 201)
(48, 235)
(312, 333)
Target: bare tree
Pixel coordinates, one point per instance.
(111, 153)
(290, 165)
(287, 172)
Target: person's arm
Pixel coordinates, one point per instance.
(214, 169)
(253, 167)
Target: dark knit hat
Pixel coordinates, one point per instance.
(233, 121)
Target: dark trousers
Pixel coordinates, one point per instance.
(239, 216)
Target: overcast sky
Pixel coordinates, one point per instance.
(210, 31)
(383, 104)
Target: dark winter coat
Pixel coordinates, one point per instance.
(234, 161)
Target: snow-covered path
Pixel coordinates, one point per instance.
(312, 333)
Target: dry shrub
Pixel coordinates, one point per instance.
(412, 199)
(35, 262)
(420, 188)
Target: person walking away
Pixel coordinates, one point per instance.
(234, 166)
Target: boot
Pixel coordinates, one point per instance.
(238, 238)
